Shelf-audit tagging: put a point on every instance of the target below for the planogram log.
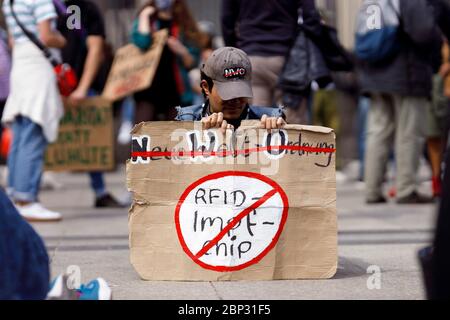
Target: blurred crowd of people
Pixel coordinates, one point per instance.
(297, 66)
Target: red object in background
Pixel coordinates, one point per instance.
(67, 79)
(5, 142)
(392, 192)
(436, 186)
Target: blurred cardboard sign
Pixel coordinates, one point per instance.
(134, 70)
(86, 138)
(248, 205)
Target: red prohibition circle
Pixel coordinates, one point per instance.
(219, 175)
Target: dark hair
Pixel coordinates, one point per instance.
(208, 80)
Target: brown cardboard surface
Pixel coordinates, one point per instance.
(86, 138)
(169, 221)
(134, 70)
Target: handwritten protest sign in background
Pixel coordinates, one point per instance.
(133, 70)
(85, 140)
(245, 206)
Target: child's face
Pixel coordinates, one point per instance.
(231, 109)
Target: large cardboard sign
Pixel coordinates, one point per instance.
(134, 70)
(85, 140)
(245, 205)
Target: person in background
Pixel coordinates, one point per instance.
(437, 116)
(363, 111)
(207, 28)
(266, 30)
(85, 53)
(34, 107)
(5, 70)
(399, 88)
(171, 86)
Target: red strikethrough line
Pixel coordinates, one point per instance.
(234, 222)
(225, 153)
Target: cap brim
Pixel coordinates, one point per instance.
(234, 89)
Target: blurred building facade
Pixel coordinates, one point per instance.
(119, 15)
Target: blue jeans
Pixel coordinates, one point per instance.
(98, 183)
(128, 109)
(24, 263)
(25, 160)
(97, 180)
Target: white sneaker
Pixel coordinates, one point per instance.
(49, 182)
(60, 289)
(35, 212)
(124, 136)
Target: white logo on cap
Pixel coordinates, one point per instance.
(231, 73)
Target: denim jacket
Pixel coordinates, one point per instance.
(197, 112)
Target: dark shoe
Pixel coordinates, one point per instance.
(426, 262)
(415, 198)
(378, 200)
(107, 201)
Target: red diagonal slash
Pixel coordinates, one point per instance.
(235, 221)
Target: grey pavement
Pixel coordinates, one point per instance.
(385, 236)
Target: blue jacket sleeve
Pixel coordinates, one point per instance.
(192, 113)
(256, 113)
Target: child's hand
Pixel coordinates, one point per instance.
(216, 120)
(272, 122)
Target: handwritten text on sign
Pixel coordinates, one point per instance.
(85, 138)
(134, 70)
(230, 220)
(253, 147)
(205, 210)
